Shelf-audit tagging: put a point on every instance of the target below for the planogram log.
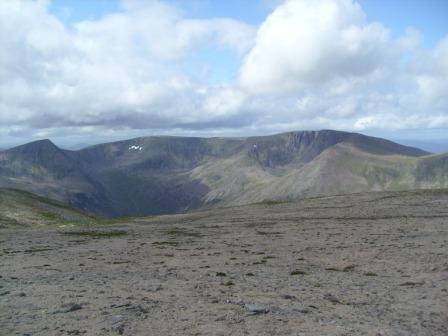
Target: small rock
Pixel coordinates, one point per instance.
(139, 309)
(412, 283)
(126, 304)
(256, 309)
(331, 298)
(221, 318)
(72, 307)
(119, 328)
(116, 318)
(289, 297)
(228, 283)
(303, 310)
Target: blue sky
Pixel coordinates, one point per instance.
(111, 69)
(428, 16)
(251, 11)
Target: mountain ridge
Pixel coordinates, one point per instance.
(170, 174)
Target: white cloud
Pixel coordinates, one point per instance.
(326, 65)
(432, 82)
(226, 101)
(306, 42)
(121, 70)
(158, 30)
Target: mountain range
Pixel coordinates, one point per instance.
(161, 175)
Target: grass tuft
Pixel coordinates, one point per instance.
(96, 234)
(172, 243)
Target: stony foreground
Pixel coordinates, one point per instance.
(366, 264)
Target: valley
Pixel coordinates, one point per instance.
(166, 175)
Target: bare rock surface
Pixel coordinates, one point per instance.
(363, 264)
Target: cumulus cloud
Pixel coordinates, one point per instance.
(308, 42)
(327, 65)
(310, 64)
(158, 30)
(120, 70)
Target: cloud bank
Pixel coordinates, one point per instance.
(310, 64)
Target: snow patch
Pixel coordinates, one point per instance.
(135, 148)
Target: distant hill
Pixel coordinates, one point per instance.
(25, 209)
(160, 175)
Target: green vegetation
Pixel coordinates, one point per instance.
(170, 243)
(228, 283)
(96, 233)
(273, 202)
(23, 208)
(266, 233)
(38, 249)
(341, 269)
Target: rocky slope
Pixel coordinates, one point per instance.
(365, 264)
(23, 209)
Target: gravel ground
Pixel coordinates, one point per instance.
(363, 264)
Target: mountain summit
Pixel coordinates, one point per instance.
(159, 175)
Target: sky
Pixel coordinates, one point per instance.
(89, 71)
